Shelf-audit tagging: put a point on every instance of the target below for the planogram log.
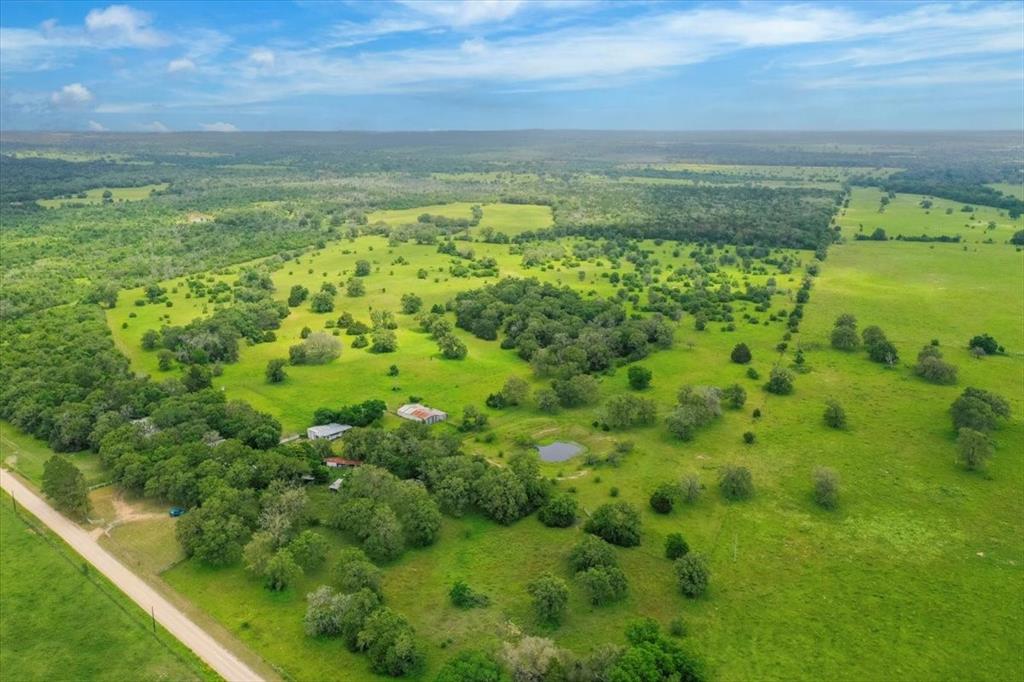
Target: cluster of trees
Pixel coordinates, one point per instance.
(595, 568)
(435, 324)
(615, 522)
(976, 414)
(280, 551)
(931, 367)
(880, 348)
(697, 406)
(984, 344)
(358, 414)
(352, 609)
(386, 514)
(515, 392)
(318, 348)
(558, 331)
(64, 484)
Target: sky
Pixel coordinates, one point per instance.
(511, 64)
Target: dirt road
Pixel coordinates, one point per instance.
(177, 623)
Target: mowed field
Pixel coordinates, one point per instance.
(76, 626)
(905, 216)
(922, 565)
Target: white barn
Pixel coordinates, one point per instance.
(326, 431)
(421, 413)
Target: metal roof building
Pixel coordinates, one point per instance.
(326, 431)
(421, 413)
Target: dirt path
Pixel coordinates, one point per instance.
(177, 623)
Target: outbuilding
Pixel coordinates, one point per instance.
(421, 413)
(326, 431)
(336, 486)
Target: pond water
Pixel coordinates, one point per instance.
(559, 451)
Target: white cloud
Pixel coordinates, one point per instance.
(155, 127)
(124, 25)
(181, 64)
(219, 127)
(72, 95)
(459, 13)
(96, 127)
(262, 57)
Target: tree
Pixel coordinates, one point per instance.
(603, 584)
(471, 666)
(281, 571)
(624, 411)
(1017, 238)
(214, 533)
(532, 659)
(384, 536)
(979, 410)
(985, 342)
(931, 367)
(150, 339)
(355, 288)
(835, 415)
(845, 338)
(884, 352)
(515, 391)
(692, 574)
(591, 552)
(974, 448)
(741, 354)
(258, 553)
(472, 419)
(675, 546)
(275, 370)
(451, 347)
(826, 488)
(322, 302)
(353, 571)
(324, 609)
(309, 549)
(663, 499)
(411, 304)
(165, 360)
(698, 406)
(547, 400)
(390, 644)
(736, 483)
(691, 488)
(639, 377)
(500, 495)
(316, 349)
(197, 378)
(383, 341)
(559, 512)
(581, 389)
(734, 396)
(780, 381)
(64, 483)
(297, 295)
(618, 523)
(362, 268)
(550, 597)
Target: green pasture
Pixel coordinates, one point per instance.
(922, 565)
(1010, 189)
(95, 196)
(58, 623)
(26, 455)
(512, 219)
(905, 215)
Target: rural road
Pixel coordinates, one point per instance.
(177, 623)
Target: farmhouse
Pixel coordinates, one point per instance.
(326, 431)
(421, 413)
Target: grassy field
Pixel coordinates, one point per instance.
(95, 196)
(905, 216)
(26, 455)
(79, 627)
(922, 565)
(512, 219)
(1009, 189)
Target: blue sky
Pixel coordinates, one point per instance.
(495, 64)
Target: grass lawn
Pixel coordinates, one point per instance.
(1010, 189)
(59, 624)
(922, 565)
(95, 196)
(27, 455)
(905, 216)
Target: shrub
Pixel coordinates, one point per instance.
(591, 552)
(749, 437)
(984, 342)
(316, 349)
(465, 597)
(275, 370)
(603, 584)
(692, 575)
(639, 377)
(617, 522)
(691, 488)
(826, 488)
(835, 415)
(780, 382)
(753, 374)
(698, 406)
(974, 448)
(675, 546)
(550, 597)
(741, 354)
(559, 512)
(471, 666)
(736, 483)
(979, 410)
(663, 499)
(931, 367)
(735, 396)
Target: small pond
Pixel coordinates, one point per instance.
(559, 451)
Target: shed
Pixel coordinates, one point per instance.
(336, 486)
(326, 431)
(421, 413)
(335, 462)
